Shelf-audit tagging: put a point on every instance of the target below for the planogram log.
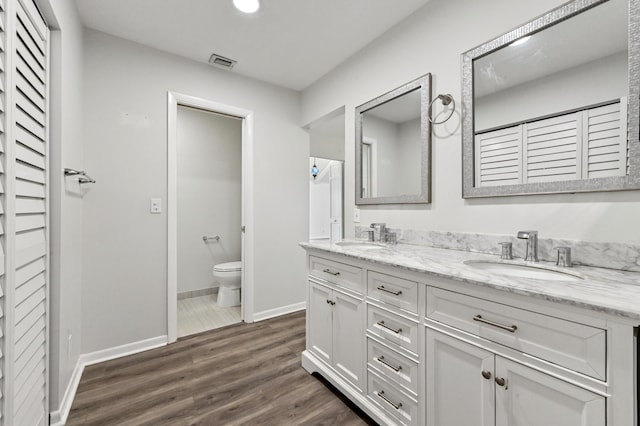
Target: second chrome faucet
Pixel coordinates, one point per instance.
(531, 254)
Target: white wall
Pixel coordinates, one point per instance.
(209, 194)
(125, 95)
(432, 40)
(66, 145)
(598, 81)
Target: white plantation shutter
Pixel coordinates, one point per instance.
(591, 143)
(606, 135)
(26, 306)
(551, 152)
(499, 157)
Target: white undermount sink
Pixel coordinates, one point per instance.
(524, 271)
(360, 245)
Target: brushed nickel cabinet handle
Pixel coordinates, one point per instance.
(510, 329)
(395, 293)
(501, 382)
(395, 330)
(329, 271)
(388, 364)
(331, 302)
(395, 405)
(486, 374)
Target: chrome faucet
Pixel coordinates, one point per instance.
(531, 254)
(382, 229)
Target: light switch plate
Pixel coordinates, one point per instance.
(156, 205)
(356, 215)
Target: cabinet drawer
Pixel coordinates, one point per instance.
(394, 291)
(394, 328)
(337, 273)
(394, 402)
(393, 366)
(579, 347)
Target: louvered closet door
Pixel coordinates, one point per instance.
(28, 405)
(3, 240)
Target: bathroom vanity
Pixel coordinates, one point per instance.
(418, 335)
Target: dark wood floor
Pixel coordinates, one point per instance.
(243, 374)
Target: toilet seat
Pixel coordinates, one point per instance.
(228, 267)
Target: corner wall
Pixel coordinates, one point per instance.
(432, 40)
(125, 129)
(66, 145)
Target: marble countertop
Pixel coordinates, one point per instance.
(605, 290)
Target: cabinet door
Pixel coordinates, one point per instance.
(457, 391)
(348, 338)
(320, 320)
(532, 398)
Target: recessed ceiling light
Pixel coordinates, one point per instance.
(247, 6)
(519, 41)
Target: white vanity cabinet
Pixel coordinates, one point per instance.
(335, 327)
(497, 391)
(416, 348)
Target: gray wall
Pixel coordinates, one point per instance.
(432, 40)
(66, 209)
(125, 96)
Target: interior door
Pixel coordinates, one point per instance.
(26, 208)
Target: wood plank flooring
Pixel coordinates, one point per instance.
(243, 374)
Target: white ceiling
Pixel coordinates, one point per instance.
(290, 43)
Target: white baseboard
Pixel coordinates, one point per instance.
(276, 312)
(59, 417)
(123, 350)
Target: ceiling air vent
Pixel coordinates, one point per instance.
(222, 62)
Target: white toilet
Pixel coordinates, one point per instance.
(228, 276)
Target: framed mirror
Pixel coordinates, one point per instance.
(393, 146)
(552, 106)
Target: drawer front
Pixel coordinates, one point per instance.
(337, 273)
(572, 345)
(393, 366)
(394, 402)
(394, 291)
(394, 328)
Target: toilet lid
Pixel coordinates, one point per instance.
(228, 267)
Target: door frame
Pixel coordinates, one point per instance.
(247, 244)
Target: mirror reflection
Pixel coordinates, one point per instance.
(392, 146)
(549, 105)
(391, 137)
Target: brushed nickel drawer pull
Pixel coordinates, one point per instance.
(395, 330)
(329, 271)
(388, 364)
(382, 395)
(395, 293)
(510, 329)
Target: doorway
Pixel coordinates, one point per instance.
(208, 216)
(325, 200)
(209, 178)
(326, 188)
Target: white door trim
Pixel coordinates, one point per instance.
(173, 100)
